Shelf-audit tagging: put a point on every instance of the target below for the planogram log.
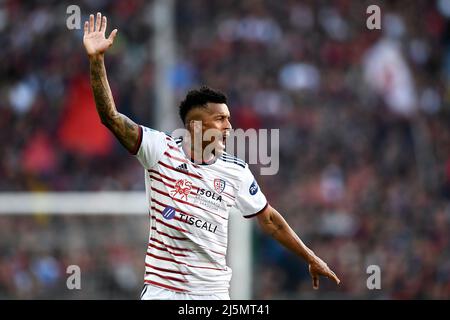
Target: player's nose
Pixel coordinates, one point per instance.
(228, 125)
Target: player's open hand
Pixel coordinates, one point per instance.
(94, 39)
(317, 268)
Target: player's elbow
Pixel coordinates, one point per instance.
(104, 121)
(107, 121)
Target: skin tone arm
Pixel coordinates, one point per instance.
(96, 44)
(274, 224)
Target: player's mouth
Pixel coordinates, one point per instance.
(225, 136)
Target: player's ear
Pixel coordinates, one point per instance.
(195, 125)
(190, 125)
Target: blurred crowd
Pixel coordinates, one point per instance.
(363, 114)
(72, 257)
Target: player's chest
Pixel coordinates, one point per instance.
(206, 186)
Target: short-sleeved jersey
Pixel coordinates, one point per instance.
(189, 207)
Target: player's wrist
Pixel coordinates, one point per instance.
(311, 257)
(96, 56)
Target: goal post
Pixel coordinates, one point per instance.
(13, 204)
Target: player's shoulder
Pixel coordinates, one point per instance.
(175, 142)
(237, 169)
(152, 132)
(233, 162)
(162, 134)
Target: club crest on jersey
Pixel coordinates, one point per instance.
(219, 185)
(182, 187)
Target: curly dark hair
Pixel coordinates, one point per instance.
(198, 98)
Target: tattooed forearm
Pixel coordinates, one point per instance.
(130, 124)
(102, 93)
(126, 131)
(275, 225)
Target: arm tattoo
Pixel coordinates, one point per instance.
(276, 229)
(130, 124)
(272, 227)
(126, 131)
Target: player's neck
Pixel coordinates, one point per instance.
(196, 154)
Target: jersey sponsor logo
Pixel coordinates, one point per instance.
(193, 221)
(182, 167)
(182, 187)
(219, 185)
(253, 188)
(209, 194)
(209, 199)
(168, 213)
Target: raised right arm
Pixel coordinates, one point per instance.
(125, 130)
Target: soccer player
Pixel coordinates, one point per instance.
(189, 191)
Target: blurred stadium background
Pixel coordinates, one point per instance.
(363, 115)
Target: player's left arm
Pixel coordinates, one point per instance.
(275, 225)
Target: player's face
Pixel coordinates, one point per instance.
(215, 116)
